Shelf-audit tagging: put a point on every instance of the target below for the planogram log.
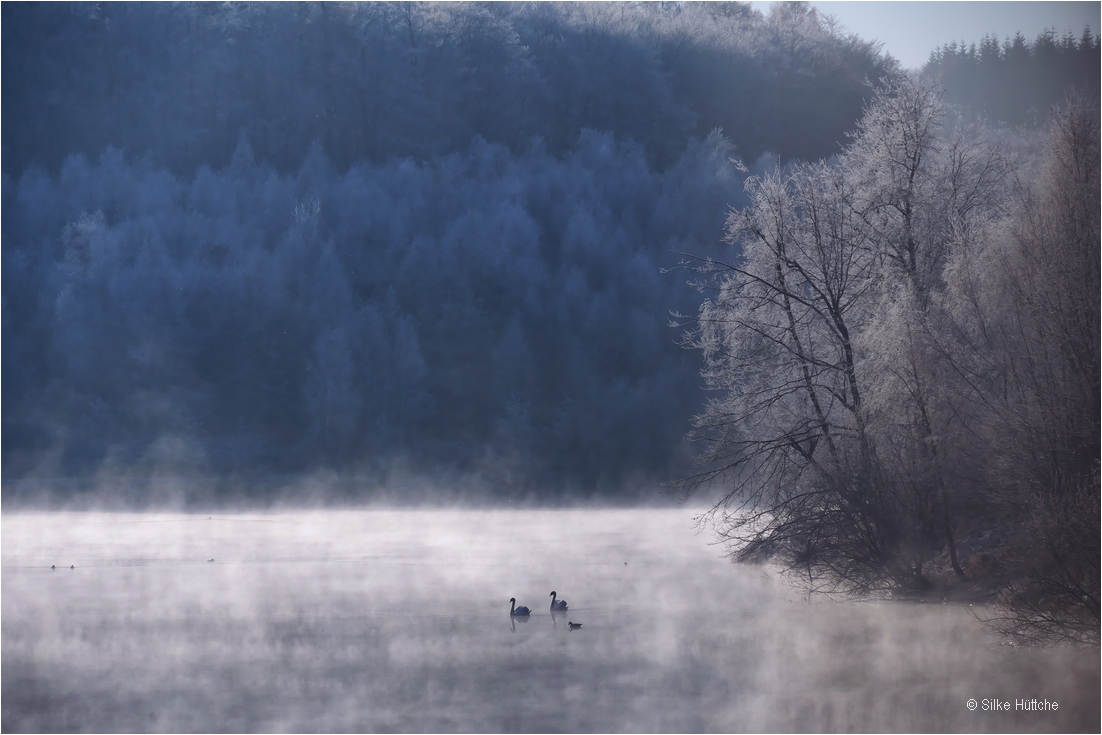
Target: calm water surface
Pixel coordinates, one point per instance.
(397, 621)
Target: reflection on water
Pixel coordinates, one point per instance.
(399, 621)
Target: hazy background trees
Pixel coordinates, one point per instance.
(1015, 82)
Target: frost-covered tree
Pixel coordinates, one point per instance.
(824, 343)
(788, 428)
(923, 190)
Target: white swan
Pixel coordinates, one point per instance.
(559, 606)
(515, 611)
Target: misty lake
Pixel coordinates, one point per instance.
(398, 621)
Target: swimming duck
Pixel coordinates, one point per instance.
(574, 626)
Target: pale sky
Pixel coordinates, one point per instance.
(911, 30)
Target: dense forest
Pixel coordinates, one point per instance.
(483, 310)
(256, 242)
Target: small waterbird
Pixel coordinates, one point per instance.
(559, 606)
(573, 626)
(515, 611)
(52, 566)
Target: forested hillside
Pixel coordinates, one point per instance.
(181, 82)
(245, 239)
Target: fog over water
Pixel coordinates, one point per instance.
(397, 620)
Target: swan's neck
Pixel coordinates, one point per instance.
(512, 607)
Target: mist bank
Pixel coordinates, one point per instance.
(399, 487)
(397, 621)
